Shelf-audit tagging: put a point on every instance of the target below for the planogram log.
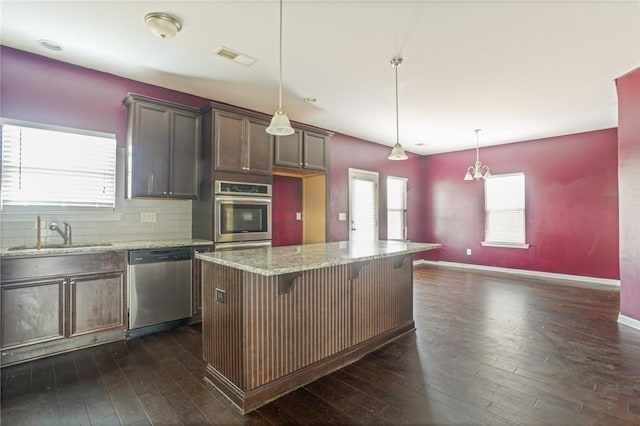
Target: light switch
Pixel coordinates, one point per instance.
(298, 216)
(342, 217)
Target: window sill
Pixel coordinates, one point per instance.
(504, 245)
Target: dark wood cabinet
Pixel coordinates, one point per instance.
(57, 303)
(302, 150)
(240, 143)
(163, 141)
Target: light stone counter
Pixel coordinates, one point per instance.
(82, 247)
(270, 261)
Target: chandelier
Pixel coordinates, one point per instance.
(477, 171)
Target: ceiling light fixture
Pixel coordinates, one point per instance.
(397, 153)
(477, 171)
(50, 45)
(280, 125)
(163, 25)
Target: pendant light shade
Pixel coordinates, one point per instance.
(280, 125)
(397, 153)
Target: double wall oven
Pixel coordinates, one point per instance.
(242, 215)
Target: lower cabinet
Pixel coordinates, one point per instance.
(53, 304)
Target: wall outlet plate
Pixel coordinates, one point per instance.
(468, 252)
(147, 216)
(298, 216)
(221, 296)
(342, 217)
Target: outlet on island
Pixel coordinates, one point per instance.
(147, 216)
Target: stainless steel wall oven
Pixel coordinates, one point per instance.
(242, 213)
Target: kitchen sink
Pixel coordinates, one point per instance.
(60, 245)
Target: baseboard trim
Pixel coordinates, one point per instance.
(525, 272)
(628, 321)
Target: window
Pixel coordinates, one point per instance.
(49, 166)
(396, 208)
(363, 205)
(505, 211)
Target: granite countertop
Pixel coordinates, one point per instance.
(282, 260)
(83, 247)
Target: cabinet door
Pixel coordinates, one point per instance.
(229, 142)
(33, 312)
(149, 150)
(288, 150)
(97, 303)
(259, 147)
(315, 151)
(185, 143)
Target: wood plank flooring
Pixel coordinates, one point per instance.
(489, 349)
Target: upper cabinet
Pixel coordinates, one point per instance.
(163, 140)
(240, 142)
(302, 150)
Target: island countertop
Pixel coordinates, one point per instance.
(282, 260)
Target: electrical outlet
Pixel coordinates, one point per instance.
(221, 296)
(468, 252)
(298, 216)
(342, 217)
(147, 216)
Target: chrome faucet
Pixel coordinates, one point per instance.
(66, 234)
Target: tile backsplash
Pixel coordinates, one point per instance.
(173, 220)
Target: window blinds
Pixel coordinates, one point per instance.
(47, 167)
(505, 209)
(396, 208)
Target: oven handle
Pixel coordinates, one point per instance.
(241, 199)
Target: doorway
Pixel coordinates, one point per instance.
(363, 205)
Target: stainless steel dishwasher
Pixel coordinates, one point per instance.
(159, 289)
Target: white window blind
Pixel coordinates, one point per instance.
(505, 210)
(57, 167)
(396, 208)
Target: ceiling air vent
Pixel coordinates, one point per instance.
(235, 56)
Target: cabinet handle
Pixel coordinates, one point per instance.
(164, 192)
(300, 164)
(171, 193)
(71, 282)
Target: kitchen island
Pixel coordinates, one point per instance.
(275, 319)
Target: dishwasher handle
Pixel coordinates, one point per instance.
(171, 254)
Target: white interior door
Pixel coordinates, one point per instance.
(363, 205)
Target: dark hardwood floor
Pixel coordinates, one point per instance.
(489, 349)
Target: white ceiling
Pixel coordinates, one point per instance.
(519, 70)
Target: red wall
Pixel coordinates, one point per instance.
(35, 88)
(629, 176)
(349, 152)
(571, 205)
(287, 200)
(571, 181)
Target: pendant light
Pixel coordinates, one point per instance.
(280, 125)
(477, 171)
(397, 153)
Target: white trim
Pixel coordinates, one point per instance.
(628, 321)
(539, 274)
